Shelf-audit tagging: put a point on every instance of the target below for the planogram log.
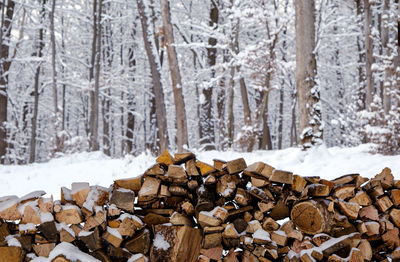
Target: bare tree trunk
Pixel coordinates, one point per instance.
(182, 134)
(293, 129)
(221, 98)
(310, 121)
(266, 141)
(387, 84)
(5, 64)
(57, 120)
(361, 58)
(231, 118)
(207, 132)
(370, 91)
(32, 153)
(161, 115)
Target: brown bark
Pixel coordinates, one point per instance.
(361, 56)
(161, 115)
(387, 84)
(5, 64)
(181, 122)
(306, 69)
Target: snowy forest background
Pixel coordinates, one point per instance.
(80, 75)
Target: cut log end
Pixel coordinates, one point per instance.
(308, 217)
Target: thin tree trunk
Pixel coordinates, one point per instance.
(57, 121)
(5, 64)
(361, 58)
(293, 129)
(370, 91)
(231, 118)
(310, 120)
(387, 86)
(161, 115)
(32, 153)
(182, 134)
(207, 132)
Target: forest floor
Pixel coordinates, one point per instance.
(98, 169)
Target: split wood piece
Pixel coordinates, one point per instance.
(117, 253)
(226, 185)
(14, 254)
(178, 219)
(140, 243)
(281, 176)
(112, 236)
(395, 216)
(341, 245)
(280, 211)
(65, 236)
(312, 179)
(298, 184)
(177, 190)
(291, 231)
(206, 219)
(328, 183)
(183, 157)
(258, 215)
(149, 189)
(279, 237)
(374, 188)
(261, 194)
(219, 164)
(43, 250)
(154, 219)
(165, 158)
(46, 204)
(188, 208)
(26, 242)
(242, 197)
(386, 178)
(253, 226)
(362, 198)
(204, 168)
(210, 180)
(94, 221)
(236, 166)
(350, 209)
(369, 213)
(79, 192)
(391, 238)
(158, 211)
(259, 169)
(384, 203)
(270, 224)
(9, 210)
(344, 192)
(164, 192)
(70, 214)
(259, 182)
(193, 185)
(138, 258)
(155, 170)
(180, 244)
(265, 206)
(372, 228)
(191, 168)
(133, 184)
(214, 253)
(319, 239)
(123, 199)
(177, 174)
(91, 239)
(318, 190)
(30, 215)
(4, 231)
(127, 227)
(395, 196)
(230, 232)
(100, 255)
(212, 240)
(345, 179)
(112, 211)
(49, 230)
(244, 209)
(366, 250)
(312, 217)
(65, 195)
(231, 256)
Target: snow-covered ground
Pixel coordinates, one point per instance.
(98, 169)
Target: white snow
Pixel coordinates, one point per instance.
(12, 241)
(68, 250)
(114, 232)
(261, 234)
(33, 195)
(137, 256)
(8, 203)
(160, 242)
(26, 227)
(46, 217)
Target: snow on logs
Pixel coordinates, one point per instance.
(182, 209)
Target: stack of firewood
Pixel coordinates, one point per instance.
(182, 209)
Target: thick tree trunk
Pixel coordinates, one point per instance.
(182, 134)
(5, 64)
(32, 153)
(207, 132)
(231, 118)
(370, 90)
(161, 115)
(310, 122)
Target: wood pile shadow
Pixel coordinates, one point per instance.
(182, 209)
